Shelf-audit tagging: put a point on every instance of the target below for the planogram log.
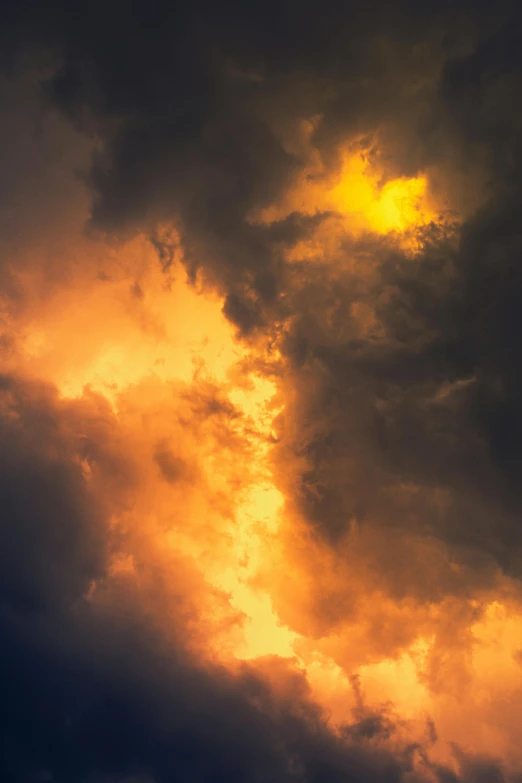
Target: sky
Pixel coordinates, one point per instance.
(260, 392)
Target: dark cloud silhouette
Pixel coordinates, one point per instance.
(54, 538)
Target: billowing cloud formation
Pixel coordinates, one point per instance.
(259, 394)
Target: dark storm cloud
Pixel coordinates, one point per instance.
(455, 326)
(186, 102)
(416, 428)
(434, 401)
(112, 702)
(53, 536)
(40, 157)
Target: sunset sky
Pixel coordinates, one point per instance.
(260, 391)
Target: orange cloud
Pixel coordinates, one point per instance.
(215, 434)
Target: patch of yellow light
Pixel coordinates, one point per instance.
(395, 207)
(361, 198)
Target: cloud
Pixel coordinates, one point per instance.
(53, 538)
(259, 453)
(95, 684)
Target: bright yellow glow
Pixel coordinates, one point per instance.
(362, 201)
(396, 207)
(257, 521)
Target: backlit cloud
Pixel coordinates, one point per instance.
(260, 405)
